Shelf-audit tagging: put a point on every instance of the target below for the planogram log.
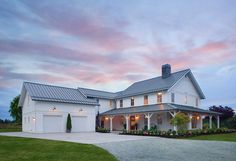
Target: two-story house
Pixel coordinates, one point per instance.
(147, 103)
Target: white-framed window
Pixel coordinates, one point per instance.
(145, 101)
(110, 103)
(159, 119)
(132, 101)
(172, 97)
(121, 103)
(196, 102)
(159, 97)
(186, 98)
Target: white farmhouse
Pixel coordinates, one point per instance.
(147, 103)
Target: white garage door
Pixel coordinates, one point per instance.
(52, 123)
(79, 123)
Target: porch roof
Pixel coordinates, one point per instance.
(156, 108)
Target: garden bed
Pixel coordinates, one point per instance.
(176, 134)
(102, 130)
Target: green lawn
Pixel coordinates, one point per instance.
(27, 149)
(10, 130)
(216, 137)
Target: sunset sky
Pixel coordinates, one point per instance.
(108, 44)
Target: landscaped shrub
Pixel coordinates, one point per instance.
(180, 120)
(174, 134)
(68, 124)
(102, 130)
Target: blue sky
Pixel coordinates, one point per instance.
(108, 44)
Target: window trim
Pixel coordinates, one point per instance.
(145, 99)
(121, 103)
(159, 97)
(132, 101)
(172, 97)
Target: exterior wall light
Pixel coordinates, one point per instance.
(34, 119)
(198, 117)
(136, 117)
(106, 118)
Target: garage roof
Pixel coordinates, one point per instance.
(42, 92)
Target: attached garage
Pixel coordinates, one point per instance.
(79, 123)
(52, 123)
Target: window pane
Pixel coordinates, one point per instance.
(159, 97)
(145, 99)
(172, 97)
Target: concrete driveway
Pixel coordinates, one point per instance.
(86, 138)
(162, 149)
(142, 148)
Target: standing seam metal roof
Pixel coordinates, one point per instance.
(42, 92)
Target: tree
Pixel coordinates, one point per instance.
(226, 112)
(97, 120)
(15, 111)
(68, 123)
(180, 120)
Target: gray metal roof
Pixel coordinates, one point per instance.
(97, 93)
(155, 108)
(42, 92)
(153, 85)
(145, 86)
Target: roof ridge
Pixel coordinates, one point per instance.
(49, 85)
(96, 90)
(159, 76)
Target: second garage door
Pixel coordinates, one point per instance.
(52, 123)
(79, 124)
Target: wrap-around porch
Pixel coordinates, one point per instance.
(158, 116)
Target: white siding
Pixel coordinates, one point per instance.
(183, 88)
(139, 100)
(105, 105)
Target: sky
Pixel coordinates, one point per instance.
(110, 44)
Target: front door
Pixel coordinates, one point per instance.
(132, 123)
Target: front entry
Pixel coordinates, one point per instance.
(132, 123)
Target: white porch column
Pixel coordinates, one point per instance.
(218, 121)
(210, 121)
(201, 124)
(173, 115)
(190, 122)
(111, 117)
(127, 122)
(148, 116)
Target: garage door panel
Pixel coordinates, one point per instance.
(79, 123)
(52, 123)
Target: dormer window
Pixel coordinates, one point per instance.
(172, 97)
(159, 97)
(121, 103)
(145, 99)
(132, 101)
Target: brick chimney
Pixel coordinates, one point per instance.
(166, 71)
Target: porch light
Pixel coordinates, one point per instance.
(136, 117)
(198, 117)
(106, 118)
(159, 93)
(34, 119)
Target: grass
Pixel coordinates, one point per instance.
(28, 149)
(10, 130)
(217, 137)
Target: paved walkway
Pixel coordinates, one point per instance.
(142, 148)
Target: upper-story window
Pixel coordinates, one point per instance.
(110, 103)
(172, 97)
(121, 103)
(159, 97)
(186, 98)
(145, 99)
(196, 102)
(132, 101)
(97, 100)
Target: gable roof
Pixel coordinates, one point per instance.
(42, 92)
(97, 93)
(146, 86)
